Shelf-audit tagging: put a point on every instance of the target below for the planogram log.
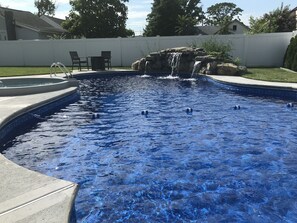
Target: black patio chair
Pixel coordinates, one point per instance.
(107, 58)
(76, 60)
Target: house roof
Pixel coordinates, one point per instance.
(241, 23)
(30, 21)
(294, 9)
(208, 30)
(56, 20)
(212, 30)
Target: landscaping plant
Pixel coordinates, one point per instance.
(290, 61)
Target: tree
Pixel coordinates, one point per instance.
(190, 16)
(290, 60)
(185, 25)
(173, 17)
(279, 20)
(97, 19)
(221, 14)
(45, 7)
(163, 18)
(129, 33)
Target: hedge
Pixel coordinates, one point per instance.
(290, 61)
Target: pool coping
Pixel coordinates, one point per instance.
(241, 81)
(61, 83)
(28, 196)
(255, 87)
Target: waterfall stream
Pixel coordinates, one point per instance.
(174, 61)
(196, 68)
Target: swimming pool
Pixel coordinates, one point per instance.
(214, 164)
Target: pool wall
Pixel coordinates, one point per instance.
(257, 88)
(28, 196)
(103, 74)
(10, 128)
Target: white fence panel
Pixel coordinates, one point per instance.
(266, 49)
(263, 50)
(11, 53)
(136, 48)
(37, 52)
(95, 46)
(61, 50)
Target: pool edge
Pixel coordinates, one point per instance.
(50, 201)
(255, 87)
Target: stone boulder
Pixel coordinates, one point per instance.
(241, 70)
(211, 68)
(228, 69)
(139, 65)
(135, 65)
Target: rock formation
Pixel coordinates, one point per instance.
(185, 62)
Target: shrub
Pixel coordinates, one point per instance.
(294, 63)
(290, 60)
(218, 49)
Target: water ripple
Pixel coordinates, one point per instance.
(216, 164)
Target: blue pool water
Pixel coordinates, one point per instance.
(215, 164)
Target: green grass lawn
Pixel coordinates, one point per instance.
(22, 71)
(271, 74)
(266, 74)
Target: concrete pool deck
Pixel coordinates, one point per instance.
(240, 81)
(28, 196)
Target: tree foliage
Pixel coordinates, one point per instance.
(221, 14)
(98, 19)
(191, 14)
(45, 7)
(163, 18)
(173, 17)
(290, 61)
(278, 20)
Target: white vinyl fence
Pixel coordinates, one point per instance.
(263, 50)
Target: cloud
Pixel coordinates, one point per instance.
(61, 14)
(66, 2)
(138, 15)
(18, 4)
(245, 18)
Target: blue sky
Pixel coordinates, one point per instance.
(138, 9)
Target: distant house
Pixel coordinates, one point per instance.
(17, 24)
(234, 27)
(294, 13)
(55, 22)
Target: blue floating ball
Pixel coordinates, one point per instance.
(95, 115)
(144, 112)
(189, 110)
